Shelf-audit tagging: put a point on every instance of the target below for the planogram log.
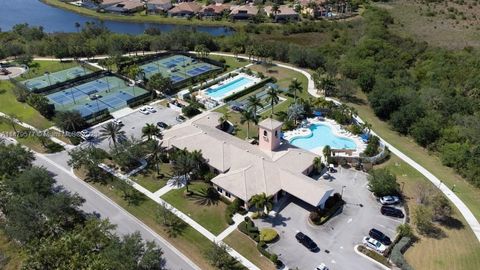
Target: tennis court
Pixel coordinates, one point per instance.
(106, 92)
(177, 67)
(55, 77)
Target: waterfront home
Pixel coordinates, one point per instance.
(124, 6)
(284, 13)
(185, 9)
(243, 12)
(215, 10)
(272, 167)
(159, 5)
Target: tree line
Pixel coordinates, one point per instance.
(51, 230)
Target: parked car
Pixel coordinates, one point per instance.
(118, 122)
(86, 135)
(381, 237)
(374, 244)
(306, 241)
(143, 110)
(180, 118)
(322, 266)
(391, 211)
(150, 109)
(386, 200)
(162, 124)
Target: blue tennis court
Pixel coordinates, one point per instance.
(198, 70)
(90, 108)
(66, 96)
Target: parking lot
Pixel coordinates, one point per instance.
(133, 124)
(336, 238)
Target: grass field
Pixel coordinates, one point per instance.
(25, 137)
(469, 194)
(248, 249)
(212, 217)
(459, 249)
(38, 68)
(231, 62)
(148, 178)
(190, 242)
(12, 252)
(449, 24)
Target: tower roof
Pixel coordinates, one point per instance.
(270, 124)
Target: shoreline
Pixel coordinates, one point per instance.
(141, 18)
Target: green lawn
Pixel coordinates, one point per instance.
(38, 68)
(148, 178)
(231, 62)
(190, 242)
(12, 252)
(467, 193)
(212, 217)
(248, 249)
(25, 137)
(458, 250)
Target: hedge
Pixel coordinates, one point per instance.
(248, 90)
(232, 208)
(261, 246)
(248, 227)
(396, 255)
(268, 235)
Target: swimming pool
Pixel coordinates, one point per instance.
(222, 91)
(321, 136)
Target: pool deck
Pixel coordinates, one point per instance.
(337, 130)
(255, 80)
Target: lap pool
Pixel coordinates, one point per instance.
(219, 92)
(321, 135)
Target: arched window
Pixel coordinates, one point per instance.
(265, 133)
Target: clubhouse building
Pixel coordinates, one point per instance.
(244, 170)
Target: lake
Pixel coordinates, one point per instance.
(54, 19)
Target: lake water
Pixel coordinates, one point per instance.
(55, 19)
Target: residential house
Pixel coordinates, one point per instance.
(313, 8)
(243, 12)
(215, 10)
(185, 9)
(283, 14)
(122, 6)
(244, 170)
(158, 6)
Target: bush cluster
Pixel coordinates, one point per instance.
(232, 208)
(397, 253)
(249, 228)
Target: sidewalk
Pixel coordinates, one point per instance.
(210, 236)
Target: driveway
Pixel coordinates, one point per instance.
(133, 124)
(339, 235)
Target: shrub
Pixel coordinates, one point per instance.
(397, 253)
(267, 235)
(190, 111)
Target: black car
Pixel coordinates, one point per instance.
(379, 236)
(162, 124)
(306, 241)
(391, 211)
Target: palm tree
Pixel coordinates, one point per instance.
(327, 151)
(223, 120)
(133, 72)
(275, 9)
(294, 87)
(327, 84)
(253, 103)
(150, 130)
(272, 98)
(183, 165)
(156, 151)
(261, 202)
(113, 132)
(248, 117)
(317, 163)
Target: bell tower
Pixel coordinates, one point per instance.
(269, 131)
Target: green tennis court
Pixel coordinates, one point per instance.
(103, 93)
(177, 67)
(55, 77)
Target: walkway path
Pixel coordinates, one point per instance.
(210, 236)
(467, 214)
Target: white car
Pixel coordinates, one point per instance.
(118, 122)
(322, 266)
(150, 109)
(86, 135)
(143, 110)
(374, 244)
(389, 200)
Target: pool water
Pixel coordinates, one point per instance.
(227, 89)
(322, 136)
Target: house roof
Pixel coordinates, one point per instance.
(216, 8)
(245, 169)
(252, 10)
(192, 7)
(282, 10)
(159, 2)
(270, 124)
(306, 2)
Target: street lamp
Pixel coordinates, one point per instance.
(343, 187)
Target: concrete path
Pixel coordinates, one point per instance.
(199, 228)
(237, 219)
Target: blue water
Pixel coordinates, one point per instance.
(54, 19)
(322, 136)
(225, 90)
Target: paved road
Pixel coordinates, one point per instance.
(126, 223)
